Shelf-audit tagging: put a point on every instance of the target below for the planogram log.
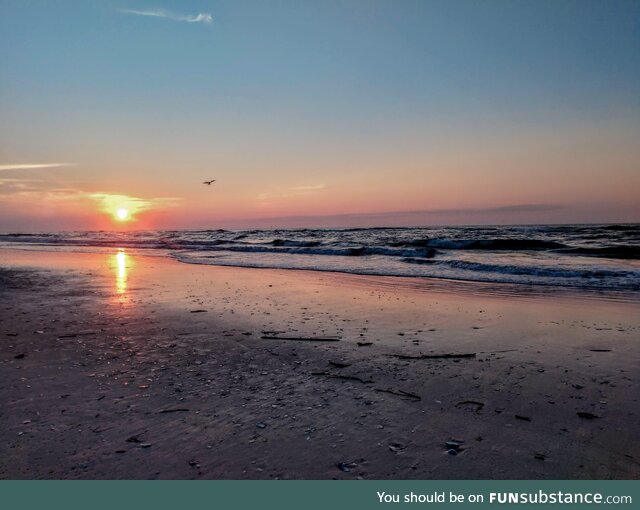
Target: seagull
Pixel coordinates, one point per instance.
(208, 183)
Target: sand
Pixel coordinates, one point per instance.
(126, 366)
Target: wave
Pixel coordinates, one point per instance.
(494, 244)
(368, 244)
(525, 270)
(610, 252)
(594, 278)
(315, 249)
(621, 228)
(302, 244)
(539, 271)
(602, 256)
(414, 260)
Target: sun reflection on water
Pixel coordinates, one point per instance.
(122, 264)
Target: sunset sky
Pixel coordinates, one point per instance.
(332, 113)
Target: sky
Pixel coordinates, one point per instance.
(309, 113)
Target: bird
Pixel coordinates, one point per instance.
(208, 183)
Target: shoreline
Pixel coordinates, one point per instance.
(121, 348)
(430, 283)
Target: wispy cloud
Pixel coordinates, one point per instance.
(469, 216)
(292, 192)
(202, 17)
(526, 208)
(32, 166)
(42, 190)
(311, 188)
(110, 202)
(36, 190)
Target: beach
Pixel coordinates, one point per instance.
(120, 365)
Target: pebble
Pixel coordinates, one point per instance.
(345, 467)
(453, 444)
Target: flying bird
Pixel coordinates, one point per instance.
(208, 183)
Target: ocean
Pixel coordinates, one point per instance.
(578, 256)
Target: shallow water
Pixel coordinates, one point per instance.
(605, 257)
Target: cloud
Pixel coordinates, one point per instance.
(526, 208)
(31, 166)
(39, 191)
(25, 180)
(313, 187)
(291, 192)
(469, 216)
(202, 17)
(36, 190)
(110, 202)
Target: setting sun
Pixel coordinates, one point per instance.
(122, 214)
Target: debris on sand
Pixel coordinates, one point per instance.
(479, 405)
(539, 456)
(523, 418)
(600, 350)
(134, 439)
(454, 446)
(301, 338)
(396, 447)
(400, 393)
(339, 364)
(587, 415)
(174, 410)
(434, 356)
(344, 377)
(198, 311)
(364, 344)
(346, 466)
(20, 356)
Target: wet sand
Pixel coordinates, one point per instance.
(125, 366)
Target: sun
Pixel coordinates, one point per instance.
(122, 214)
